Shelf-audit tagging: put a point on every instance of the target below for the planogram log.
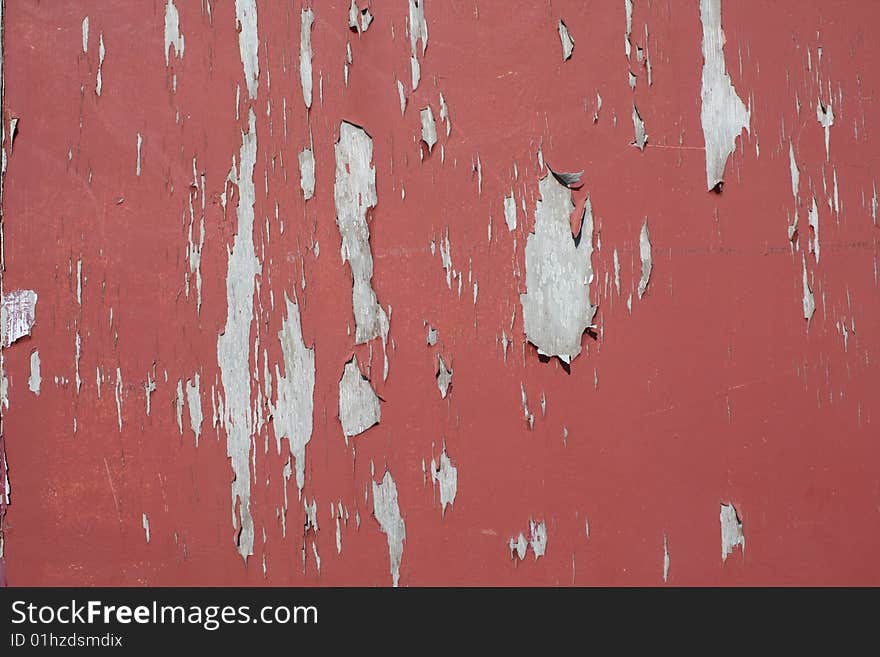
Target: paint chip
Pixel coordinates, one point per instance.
(556, 306)
(294, 405)
(173, 37)
(354, 194)
(387, 513)
(19, 311)
(248, 43)
(731, 531)
(566, 39)
(307, 173)
(723, 114)
(418, 31)
(641, 137)
(446, 475)
(35, 379)
(645, 255)
(429, 128)
(358, 403)
(444, 377)
(305, 55)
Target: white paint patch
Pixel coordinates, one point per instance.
(305, 55)
(518, 547)
(146, 524)
(401, 93)
(731, 531)
(85, 34)
(429, 127)
(233, 345)
(444, 114)
(17, 315)
(813, 219)
(173, 37)
(358, 403)
(178, 406)
(510, 211)
(665, 559)
(307, 173)
(645, 255)
(809, 301)
(444, 377)
(418, 30)
(140, 141)
(567, 41)
(119, 398)
(194, 402)
(825, 117)
(293, 408)
(35, 379)
(556, 306)
(616, 272)
(102, 52)
(248, 43)
(446, 475)
(723, 114)
(387, 512)
(640, 136)
(149, 389)
(78, 347)
(354, 193)
(538, 538)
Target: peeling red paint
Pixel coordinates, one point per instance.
(712, 389)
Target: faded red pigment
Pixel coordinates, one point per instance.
(712, 389)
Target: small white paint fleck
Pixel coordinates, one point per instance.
(566, 39)
(140, 141)
(194, 402)
(809, 301)
(429, 127)
(35, 379)
(645, 255)
(731, 531)
(85, 34)
(101, 53)
(146, 523)
(446, 475)
(510, 211)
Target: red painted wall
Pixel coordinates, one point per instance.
(713, 389)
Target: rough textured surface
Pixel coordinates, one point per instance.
(711, 388)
